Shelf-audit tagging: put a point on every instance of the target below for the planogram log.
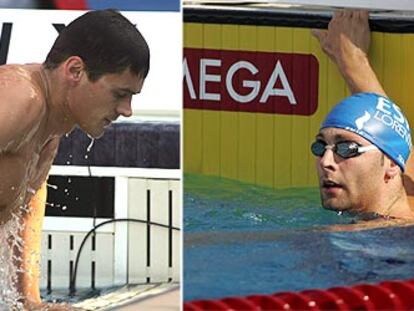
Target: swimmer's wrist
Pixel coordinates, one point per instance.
(351, 63)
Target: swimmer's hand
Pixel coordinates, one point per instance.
(348, 36)
(347, 43)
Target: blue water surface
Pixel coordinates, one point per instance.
(242, 239)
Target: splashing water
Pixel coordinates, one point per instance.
(10, 240)
(88, 149)
(52, 186)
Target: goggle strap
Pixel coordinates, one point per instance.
(367, 148)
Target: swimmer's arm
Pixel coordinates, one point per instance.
(33, 219)
(32, 236)
(347, 42)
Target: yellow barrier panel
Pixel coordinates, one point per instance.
(272, 149)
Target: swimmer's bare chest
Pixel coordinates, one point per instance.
(19, 171)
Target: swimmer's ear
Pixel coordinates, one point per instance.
(74, 69)
(392, 170)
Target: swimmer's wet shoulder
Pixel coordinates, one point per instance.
(22, 106)
(371, 224)
(22, 118)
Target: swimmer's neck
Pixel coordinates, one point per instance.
(55, 90)
(392, 208)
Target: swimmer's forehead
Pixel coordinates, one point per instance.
(130, 86)
(125, 81)
(335, 135)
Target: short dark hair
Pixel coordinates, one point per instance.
(106, 41)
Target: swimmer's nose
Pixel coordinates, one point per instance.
(125, 108)
(327, 160)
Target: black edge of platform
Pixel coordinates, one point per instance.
(142, 144)
(293, 18)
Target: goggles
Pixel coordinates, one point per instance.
(345, 149)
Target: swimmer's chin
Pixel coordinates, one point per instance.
(348, 210)
(335, 208)
(93, 133)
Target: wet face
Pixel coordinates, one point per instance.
(348, 184)
(94, 105)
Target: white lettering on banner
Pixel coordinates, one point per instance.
(255, 85)
(188, 80)
(204, 77)
(284, 91)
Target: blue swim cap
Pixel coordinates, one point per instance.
(378, 120)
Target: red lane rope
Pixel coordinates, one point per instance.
(388, 295)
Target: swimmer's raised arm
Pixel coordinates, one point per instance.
(20, 110)
(347, 43)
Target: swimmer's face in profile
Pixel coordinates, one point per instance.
(348, 183)
(95, 104)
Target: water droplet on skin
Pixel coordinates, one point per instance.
(12, 188)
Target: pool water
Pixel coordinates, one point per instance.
(242, 239)
(64, 295)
